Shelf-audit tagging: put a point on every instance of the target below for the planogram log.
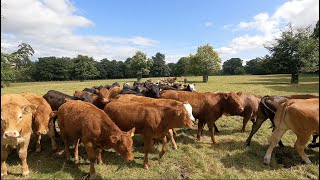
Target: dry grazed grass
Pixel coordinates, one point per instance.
(229, 159)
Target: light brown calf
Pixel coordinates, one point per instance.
(302, 117)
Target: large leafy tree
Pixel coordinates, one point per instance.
(182, 66)
(84, 68)
(205, 62)
(21, 56)
(159, 67)
(52, 69)
(139, 65)
(297, 51)
(233, 66)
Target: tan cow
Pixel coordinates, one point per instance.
(207, 107)
(151, 120)
(302, 117)
(82, 120)
(42, 119)
(16, 122)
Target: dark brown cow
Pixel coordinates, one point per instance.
(161, 102)
(207, 107)
(42, 119)
(302, 117)
(81, 120)
(16, 122)
(250, 103)
(150, 120)
(267, 109)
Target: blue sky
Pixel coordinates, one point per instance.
(116, 29)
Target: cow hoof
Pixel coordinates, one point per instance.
(54, 150)
(266, 161)
(308, 161)
(146, 167)
(4, 174)
(247, 143)
(24, 174)
(174, 147)
(38, 150)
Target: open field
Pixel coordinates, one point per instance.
(229, 159)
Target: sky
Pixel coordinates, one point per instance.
(117, 29)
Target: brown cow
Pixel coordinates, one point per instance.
(150, 120)
(16, 122)
(250, 103)
(207, 107)
(81, 120)
(302, 117)
(42, 119)
(161, 102)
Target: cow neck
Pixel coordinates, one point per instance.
(165, 117)
(221, 102)
(109, 127)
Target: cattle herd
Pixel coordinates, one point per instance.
(104, 117)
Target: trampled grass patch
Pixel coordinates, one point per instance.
(229, 159)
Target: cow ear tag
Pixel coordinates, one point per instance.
(132, 132)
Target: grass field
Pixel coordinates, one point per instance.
(229, 159)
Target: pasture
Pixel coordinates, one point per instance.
(229, 159)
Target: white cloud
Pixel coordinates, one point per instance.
(301, 13)
(208, 24)
(48, 26)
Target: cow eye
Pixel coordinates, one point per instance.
(20, 117)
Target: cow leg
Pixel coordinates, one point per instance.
(280, 142)
(4, 156)
(200, 129)
(38, 145)
(52, 136)
(99, 155)
(254, 129)
(274, 139)
(23, 152)
(211, 130)
(215, 129)
(76, 151)
(92, 158)
(164, 147)
(66, 146)
(245, 122)
(148, 144)
(174, 132)
(299, 146)
(173, 142)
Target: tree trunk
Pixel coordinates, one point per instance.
(139, 77)
(295, 78)
(205, 78)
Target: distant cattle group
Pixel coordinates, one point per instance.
(104, 117)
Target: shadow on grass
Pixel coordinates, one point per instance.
(252, 157)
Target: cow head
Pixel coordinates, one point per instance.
(233, 103)
(13, 118)
(153, 91)
(191, 87)
(123, 144)
(41, 121)
(182, 116)
(103, 95)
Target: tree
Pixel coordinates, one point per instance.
(233, 66)
(7, 72)
(182, 66)
(21, 56)
(204, 62)
(159, 67)
(315, 33)
(297, 51)
(84, 68)
(140, 65)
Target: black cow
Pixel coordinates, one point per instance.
(267, 109)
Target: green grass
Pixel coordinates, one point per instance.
(229, 159)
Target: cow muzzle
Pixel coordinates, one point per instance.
(11, 134)
(43, 132)
(105, 100)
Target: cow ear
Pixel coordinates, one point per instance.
(239, 93)
(114, 138)
(179, 111)
(131, 132)
(225, 95)
(29, 108)
(96, 91)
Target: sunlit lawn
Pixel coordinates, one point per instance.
(229, 159)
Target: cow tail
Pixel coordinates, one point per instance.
(263, 101)
(283, 109)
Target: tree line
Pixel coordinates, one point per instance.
(294, 52)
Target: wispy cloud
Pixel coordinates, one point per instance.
(300, 13)
(208, 24)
